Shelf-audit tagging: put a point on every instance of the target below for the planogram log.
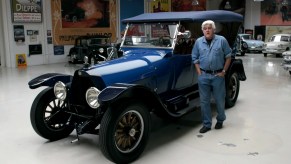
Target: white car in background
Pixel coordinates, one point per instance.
(277, 44)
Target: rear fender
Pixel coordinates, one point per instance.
(49, 80)
(237, 66)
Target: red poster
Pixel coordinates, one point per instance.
(188, 5)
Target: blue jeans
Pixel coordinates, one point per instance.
(210, 83)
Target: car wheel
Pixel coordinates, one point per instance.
(232, 89)
(278, 55)
(242, 53)
(48, 118)
(265, 54)
(124, 132)
(290, 72)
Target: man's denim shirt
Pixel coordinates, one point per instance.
(211, 57)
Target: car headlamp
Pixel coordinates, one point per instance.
(245, 45)
(60, 90)
(92, 97)
(101, 50)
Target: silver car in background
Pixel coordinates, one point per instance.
(246, 43)
(277, 45)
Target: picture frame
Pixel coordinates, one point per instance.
(29, 32)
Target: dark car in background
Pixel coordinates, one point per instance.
(102, 49)
(97, 48)
(155, 75)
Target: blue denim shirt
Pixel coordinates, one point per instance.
(211, 57)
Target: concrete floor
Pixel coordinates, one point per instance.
(256, 130)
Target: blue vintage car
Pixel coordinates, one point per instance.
(155, 75)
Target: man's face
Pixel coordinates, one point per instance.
(208, 31)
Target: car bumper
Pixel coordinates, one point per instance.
(274, 51)
(254, 49)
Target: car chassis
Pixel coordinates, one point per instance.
(114, 99)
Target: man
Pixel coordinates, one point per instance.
(211, 55)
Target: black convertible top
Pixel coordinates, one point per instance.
(186, 16)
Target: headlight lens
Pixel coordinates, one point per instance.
(92, 97)
(60, 90)
(245, 45)
(101, 50)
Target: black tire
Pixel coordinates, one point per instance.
(242, 53)
(290, 72)
(124, 132)
(232, 85)
(265, 54)
(47, 117)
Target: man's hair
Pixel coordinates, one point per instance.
(208, 22)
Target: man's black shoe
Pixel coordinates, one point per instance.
(204, 129)
(218, 125)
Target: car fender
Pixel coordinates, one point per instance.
(237, 66)
(49, 80)
(118, 92)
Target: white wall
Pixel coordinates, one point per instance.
(252, 14)
(1, 39)
(12, 48)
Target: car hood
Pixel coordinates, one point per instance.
(256, 42)
(135, 65)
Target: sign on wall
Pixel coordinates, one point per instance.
(26, 11)
(86, 17)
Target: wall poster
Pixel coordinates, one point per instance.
(26, 11)
(276, 12)
(160, 6)
(188, 5)
(21, 60)
(18, 33)
(74, 18)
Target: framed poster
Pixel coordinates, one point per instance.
(71, 19)
(26, 11)
(19, 33)
(35, 49)
(59, 50)
(21, 60)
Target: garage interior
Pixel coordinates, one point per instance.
(255, 131)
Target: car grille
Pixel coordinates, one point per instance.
(80, 85)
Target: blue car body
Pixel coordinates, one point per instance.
(155, 74)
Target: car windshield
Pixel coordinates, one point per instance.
(280, 38)
(95, 41)
(150, 35)
(247, 37)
